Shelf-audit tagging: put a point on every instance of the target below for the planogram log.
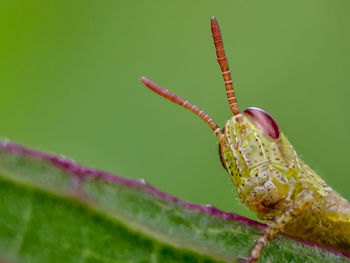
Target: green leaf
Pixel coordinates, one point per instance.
(55, 210)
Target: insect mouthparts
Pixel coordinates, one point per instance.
(271, 178)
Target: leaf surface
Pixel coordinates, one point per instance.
(55, 210)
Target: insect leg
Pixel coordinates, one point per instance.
(303, 201)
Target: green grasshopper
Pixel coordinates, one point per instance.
(270, 177)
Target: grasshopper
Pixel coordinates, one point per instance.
(270, 177)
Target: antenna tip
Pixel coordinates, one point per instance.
(146, 81)
(151, 85)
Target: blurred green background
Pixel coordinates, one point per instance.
(69, 82)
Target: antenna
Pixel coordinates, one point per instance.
(220, 53)
(184, 103)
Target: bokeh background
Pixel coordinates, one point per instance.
(69, 84)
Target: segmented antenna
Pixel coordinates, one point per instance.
(184, 103)
(220, 53)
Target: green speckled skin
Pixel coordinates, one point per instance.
(270, 177)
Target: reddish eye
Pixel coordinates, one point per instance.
(264, 121)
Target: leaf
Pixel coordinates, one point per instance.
(56, 210)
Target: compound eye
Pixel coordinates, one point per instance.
(221, 154)
(264, 121)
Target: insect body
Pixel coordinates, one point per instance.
(270, 177)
